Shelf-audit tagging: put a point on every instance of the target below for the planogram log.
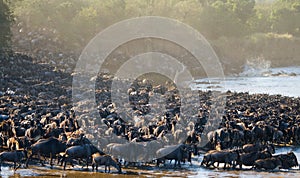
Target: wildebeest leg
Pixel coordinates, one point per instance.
(93, 166)
(108, 168)
(178, 161)
(39, 157)
(224, 165)
(87, 163)
(105, 168)
(26, 163)
(65, 161)
(157, 162)
(58, 159)
(208, 164)
(51, 159)
(19, 165)
(15, 165)
(233, 164)
(61, 160)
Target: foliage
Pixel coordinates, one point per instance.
(285, 17)
(227, 18)
(77, 21)
(5, 21)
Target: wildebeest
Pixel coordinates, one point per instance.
(49, 147)
(24, 142)
(35, 132)
(131, 152)
(248, 159)
(268, 163)
(248, 148)
(105, 160)
(289, 160)
(12, 143)
(224, 156)
(78, 141)
(176, 152)
(14, 156)
(80, 151)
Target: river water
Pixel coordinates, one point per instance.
(284, 81)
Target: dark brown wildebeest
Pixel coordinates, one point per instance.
(35, 132)
(14, 156)
(248, 159)
(289, 160)
(24, 142)
(176, 152)
(105, 160)
(248, 148)
(80, 151)
(258, 133)
(49, 147)
(81, 140)
(268, 163)
(53, 132)
(224, 156)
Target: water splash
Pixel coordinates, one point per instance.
(256, 67)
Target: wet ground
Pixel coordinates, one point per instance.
(168, 170)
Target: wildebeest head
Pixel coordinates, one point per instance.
(270, 148)
(292, 159)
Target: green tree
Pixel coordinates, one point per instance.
(261, 22)
(285, 17)
(5, 22)
(226, 18)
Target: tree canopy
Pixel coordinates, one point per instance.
(76, 21)
(5, 22)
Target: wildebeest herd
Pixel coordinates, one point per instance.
(33, 130)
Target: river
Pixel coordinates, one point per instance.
(284, 81)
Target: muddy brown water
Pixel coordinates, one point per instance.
(168, 170)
